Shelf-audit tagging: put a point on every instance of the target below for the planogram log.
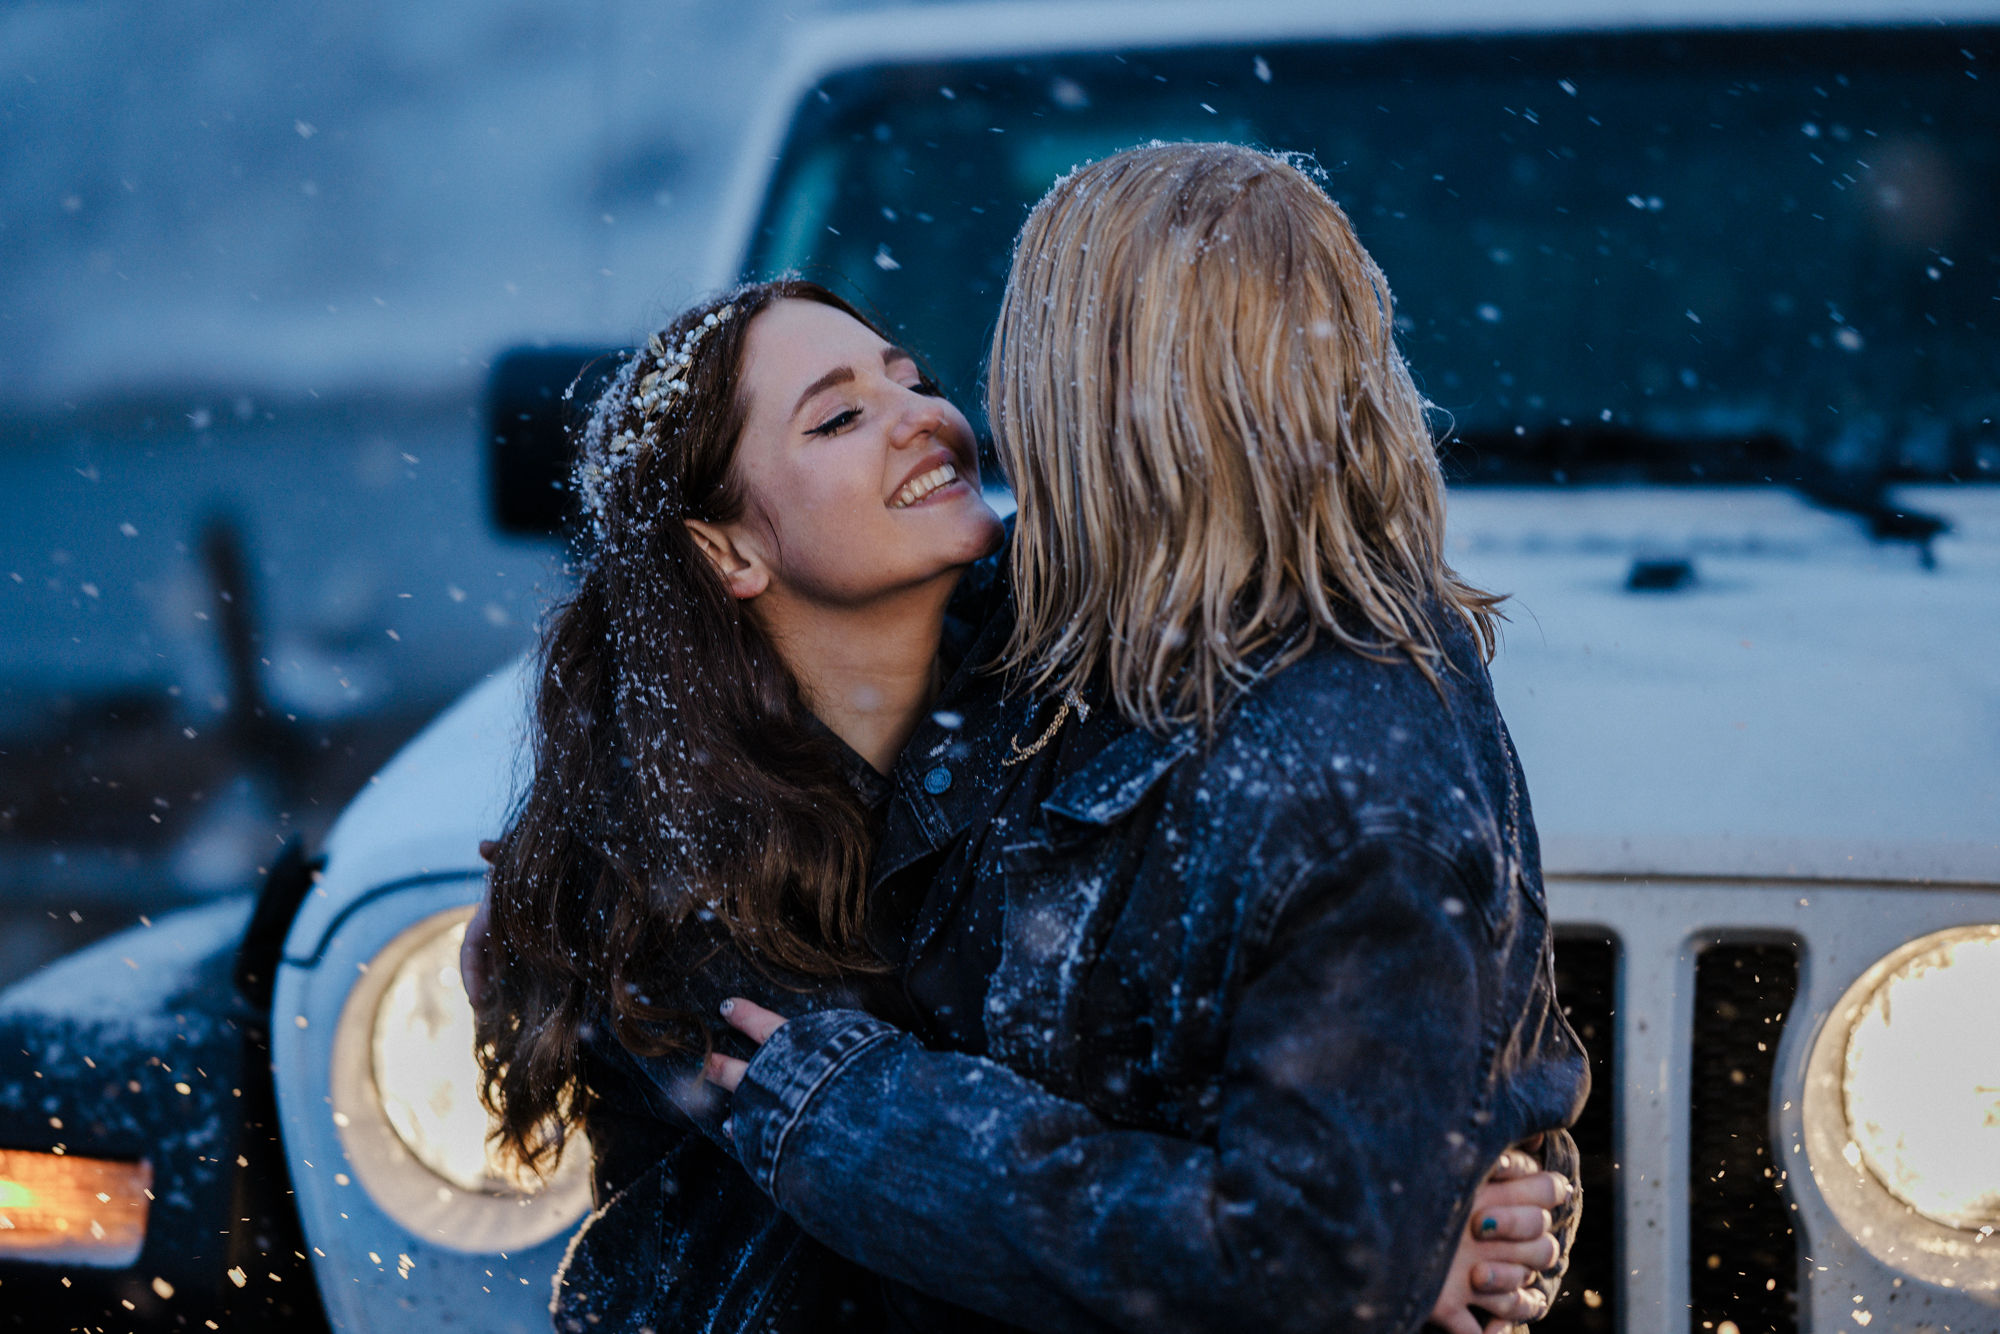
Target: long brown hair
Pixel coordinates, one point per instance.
(680, 786)
(1196, 392)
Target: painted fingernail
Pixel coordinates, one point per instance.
(728, 1006)
(1488, 1226)
(729, 1128)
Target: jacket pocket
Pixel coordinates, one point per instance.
(1060, 901)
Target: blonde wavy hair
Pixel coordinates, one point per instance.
(1214, 442)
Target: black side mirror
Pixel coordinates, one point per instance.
(528, 423)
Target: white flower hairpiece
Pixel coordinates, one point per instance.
(657, 381)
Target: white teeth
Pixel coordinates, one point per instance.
(920, 486)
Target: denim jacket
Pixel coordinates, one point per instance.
(1254, 1014)
(682, 1241)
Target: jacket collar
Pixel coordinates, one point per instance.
(1107, 787)
(1102, 791)
(950, 772)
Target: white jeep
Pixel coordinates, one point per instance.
(1708, 297)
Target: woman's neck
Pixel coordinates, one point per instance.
(868, 672)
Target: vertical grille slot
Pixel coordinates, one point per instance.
(1586, 985)
(1743, 1254)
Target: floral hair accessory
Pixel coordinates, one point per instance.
(653, 382)
(667, 380)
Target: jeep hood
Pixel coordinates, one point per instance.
(1811, 704)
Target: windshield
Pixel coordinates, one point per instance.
(1723, 257)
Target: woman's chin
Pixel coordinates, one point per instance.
(983, 530)
(964, 524)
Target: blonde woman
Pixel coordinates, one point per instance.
(783, 512)
(1220, 910)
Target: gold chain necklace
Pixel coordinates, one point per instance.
(1070, 701)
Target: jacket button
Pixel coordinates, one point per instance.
(937, 780)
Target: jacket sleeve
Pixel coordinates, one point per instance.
(1338, 1180)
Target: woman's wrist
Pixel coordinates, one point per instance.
(792, 1067)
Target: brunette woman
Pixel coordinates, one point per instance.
(780, 508)
(693, 826)
(1246, 860)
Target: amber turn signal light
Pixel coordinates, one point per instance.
(65, 1209)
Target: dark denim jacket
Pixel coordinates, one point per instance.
(682, 1241)
(1255, 1014)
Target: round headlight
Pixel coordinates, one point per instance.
(1922, 1080)
(406, 1104)
(426, 1073)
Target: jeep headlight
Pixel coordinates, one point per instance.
(1921, 1086)
(406, 1104)
(426, 1073)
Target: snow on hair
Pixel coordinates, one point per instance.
(1214, 441)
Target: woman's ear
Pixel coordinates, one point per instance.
(742, 575)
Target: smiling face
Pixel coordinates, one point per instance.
(859, 480)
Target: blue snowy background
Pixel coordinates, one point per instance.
(1710, 317)
(255, 260)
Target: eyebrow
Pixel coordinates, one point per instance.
(845, 374)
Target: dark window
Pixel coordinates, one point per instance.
(1587, 982)
(1743, 1253)
(1770, 249)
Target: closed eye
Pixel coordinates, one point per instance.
(838, 422)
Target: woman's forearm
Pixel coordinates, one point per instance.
(1340, 1173)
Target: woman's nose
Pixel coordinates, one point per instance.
(923, 416)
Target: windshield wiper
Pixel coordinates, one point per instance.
(1611, 455)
